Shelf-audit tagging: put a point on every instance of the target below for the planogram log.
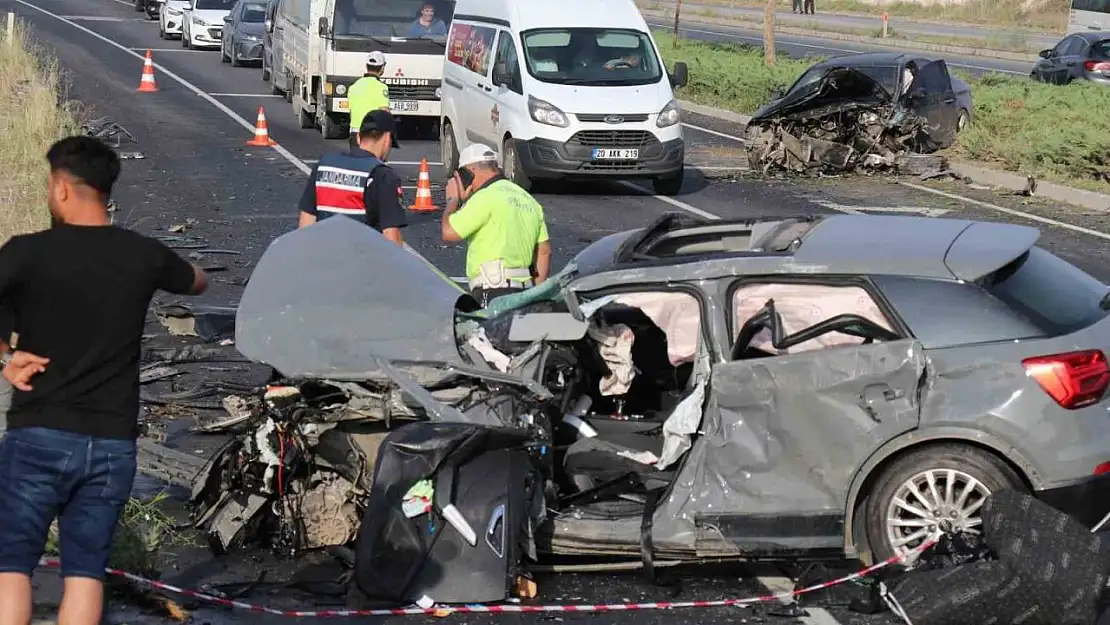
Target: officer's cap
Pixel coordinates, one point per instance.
(376, 59)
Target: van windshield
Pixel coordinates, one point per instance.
(393, 19)
(591, 56)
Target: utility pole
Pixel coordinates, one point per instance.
(769, 32)
(677, 12)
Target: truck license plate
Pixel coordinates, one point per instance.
(404, 107)
(625, 154)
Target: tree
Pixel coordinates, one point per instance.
(769, 32)
(677, 11)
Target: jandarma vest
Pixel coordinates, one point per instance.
(341, 181)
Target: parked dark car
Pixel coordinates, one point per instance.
(242, 36)
(1082, 56)
(860, 110)
(152, 7)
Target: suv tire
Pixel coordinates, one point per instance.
(990, 474)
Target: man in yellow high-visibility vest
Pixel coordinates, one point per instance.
(368, 93)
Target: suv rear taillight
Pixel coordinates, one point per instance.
(1074, 379)
(1097, 66)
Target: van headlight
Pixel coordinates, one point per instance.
(546, 113)
(173, 12)
(340, 89)
(669, 116)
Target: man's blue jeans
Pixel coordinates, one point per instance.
(83, 481)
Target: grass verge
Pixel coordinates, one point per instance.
(1055, 133)
(1045, 16)
(31, 118)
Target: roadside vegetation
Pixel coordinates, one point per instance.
(1010, 40)
(31, 118)
(1047, 16)
(1053, 132)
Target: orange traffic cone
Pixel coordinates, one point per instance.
(147, 83)
(261, 134)
(423, 191)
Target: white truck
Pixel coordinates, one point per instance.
(324, 45)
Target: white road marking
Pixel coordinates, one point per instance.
(161, 50)
(714, 132)
(99, 18)
(1009, 211)
(693, 210)
(759, 40)
(859, 210)
(245, 95)
(817, 616)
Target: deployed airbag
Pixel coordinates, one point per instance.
(802, 306)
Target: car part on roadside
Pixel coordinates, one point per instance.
(1030, 564)
(869, 111)
(209, 323)
(105, 129)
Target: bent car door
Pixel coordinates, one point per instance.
(808, 394)
(931, 96)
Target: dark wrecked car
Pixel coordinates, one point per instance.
(812, 386)
(860, 110)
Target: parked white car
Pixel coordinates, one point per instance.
(170, 18)
(203, 25)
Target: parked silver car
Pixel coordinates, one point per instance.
(242, 36)
(837, 383)
(1082, 56)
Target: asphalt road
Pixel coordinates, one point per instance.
(843, 22)
(198, 171)
(799, 46)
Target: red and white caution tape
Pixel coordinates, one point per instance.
(508, 608)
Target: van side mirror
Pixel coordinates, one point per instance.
(1045, 54)
(681, 75)
(323, 30)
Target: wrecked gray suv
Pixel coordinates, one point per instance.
(859, 111)
(834, 385)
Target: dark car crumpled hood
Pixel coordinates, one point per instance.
(333, 298)
(823, 94)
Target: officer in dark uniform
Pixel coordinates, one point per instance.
(358, 183)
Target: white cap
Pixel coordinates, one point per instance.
(376, 59)
(477, 153)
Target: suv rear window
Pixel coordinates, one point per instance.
(1054, 295)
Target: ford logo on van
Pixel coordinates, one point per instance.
(613, 119)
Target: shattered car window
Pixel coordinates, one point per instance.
(886, 76)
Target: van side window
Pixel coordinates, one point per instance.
(471, 46)
(506, 67)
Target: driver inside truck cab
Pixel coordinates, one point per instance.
(426, 24)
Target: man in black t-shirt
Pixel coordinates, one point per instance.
(79, 293)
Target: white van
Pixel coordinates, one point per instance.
(561, 89)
